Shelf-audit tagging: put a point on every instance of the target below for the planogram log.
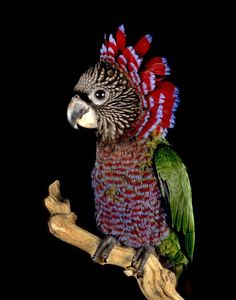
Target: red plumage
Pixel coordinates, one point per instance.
(121, 38)
(130, 58)
(158, 66)
(159, 115)
(143, 45)
(168, 90)
(149, 79)
(112, 46)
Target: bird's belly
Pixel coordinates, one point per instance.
(128, 203)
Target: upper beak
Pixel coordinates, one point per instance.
(80, 113)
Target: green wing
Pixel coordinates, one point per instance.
(172, 174)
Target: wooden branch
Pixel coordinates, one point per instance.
(156, 283)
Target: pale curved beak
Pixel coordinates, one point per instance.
(81, 113)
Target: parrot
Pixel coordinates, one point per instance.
(142, 190)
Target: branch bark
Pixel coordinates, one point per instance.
(156, 283)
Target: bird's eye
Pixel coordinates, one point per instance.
(99, 96)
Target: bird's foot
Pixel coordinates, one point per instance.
(104, 248)
(142, 255)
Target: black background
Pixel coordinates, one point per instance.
(49, 49)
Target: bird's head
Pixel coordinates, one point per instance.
(105, 99)
(120, 101)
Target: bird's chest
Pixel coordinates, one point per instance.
(123, 175)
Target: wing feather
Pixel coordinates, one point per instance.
(171, 170)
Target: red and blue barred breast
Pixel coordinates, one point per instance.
(127, 197)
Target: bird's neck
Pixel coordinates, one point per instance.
(128, 146)
(123, 150)
(131, 154)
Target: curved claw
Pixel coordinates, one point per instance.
(142, 254)
(104, 248)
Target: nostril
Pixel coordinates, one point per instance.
(76, 98)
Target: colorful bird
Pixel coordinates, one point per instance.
(141, 186)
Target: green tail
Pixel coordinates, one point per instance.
(171, 254)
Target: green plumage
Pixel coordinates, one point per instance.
(175, 186)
